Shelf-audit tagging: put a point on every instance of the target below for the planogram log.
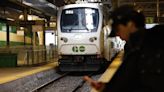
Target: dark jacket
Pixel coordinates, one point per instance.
(142, 69)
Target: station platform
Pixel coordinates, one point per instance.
(108, 74)
(23, 79)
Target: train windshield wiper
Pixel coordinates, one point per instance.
(73, 25)
(86, 28)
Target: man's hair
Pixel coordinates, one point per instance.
(126, 13)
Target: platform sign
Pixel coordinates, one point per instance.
(36, 28)
(23, 23)
(20, 32)
(149, 20)
(33, 22)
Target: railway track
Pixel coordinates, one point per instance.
(82, 83)
(49, 82)
(72, 88)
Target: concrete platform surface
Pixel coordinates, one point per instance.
(24, 79)
(10, 74)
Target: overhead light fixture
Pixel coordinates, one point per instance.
(42, 1)
(52, 24)
(51, 5)
(21, 17)
(30, 17)
(10, 19)
(27, 3)
(138, 11)
(21, 28)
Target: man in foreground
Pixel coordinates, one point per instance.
(142, 69)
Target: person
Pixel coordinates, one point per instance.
(142, 68)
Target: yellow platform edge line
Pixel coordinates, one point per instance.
(111, 70)
(28, 73)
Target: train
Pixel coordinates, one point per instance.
(83, 41)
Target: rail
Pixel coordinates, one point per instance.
(75, 89)
(82, 83)
(50, 82)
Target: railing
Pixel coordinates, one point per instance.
(29, 55)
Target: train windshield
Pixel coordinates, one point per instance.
(79, 20)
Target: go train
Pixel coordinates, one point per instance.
(83, 42)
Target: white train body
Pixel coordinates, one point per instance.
(80, 38)
(80, 33)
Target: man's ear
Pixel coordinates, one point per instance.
(132, 26)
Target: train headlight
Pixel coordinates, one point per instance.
(92, 39)
(95, 38)
(64, 39)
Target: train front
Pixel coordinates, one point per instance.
(79, 37)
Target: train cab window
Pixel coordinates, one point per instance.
(69, 20)
(79, 20)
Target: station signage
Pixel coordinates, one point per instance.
(26, 22)
(36, 22)
(149, 20)
(37, 28)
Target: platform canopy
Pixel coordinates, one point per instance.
(42, 5)
(151, 8)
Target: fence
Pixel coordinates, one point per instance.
(29, 55)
